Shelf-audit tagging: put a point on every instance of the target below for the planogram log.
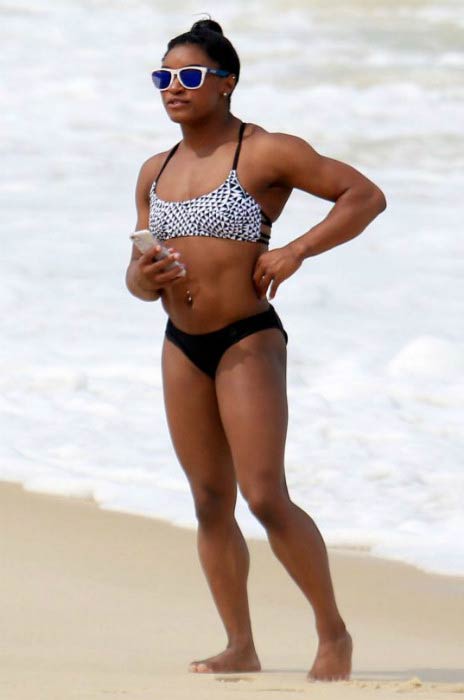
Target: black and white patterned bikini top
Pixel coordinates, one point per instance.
(229, 211)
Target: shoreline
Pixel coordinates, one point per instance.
(99, 601)
(348, 549)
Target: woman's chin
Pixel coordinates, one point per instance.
(181, 118)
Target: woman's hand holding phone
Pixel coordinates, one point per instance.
(155, 268)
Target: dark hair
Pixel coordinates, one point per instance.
(207, 34)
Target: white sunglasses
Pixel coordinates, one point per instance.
(190, 77)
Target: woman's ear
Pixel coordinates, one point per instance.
(229, 84)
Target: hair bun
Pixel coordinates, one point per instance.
(208, 24)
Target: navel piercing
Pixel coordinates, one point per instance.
(188, 297)
(225, 94)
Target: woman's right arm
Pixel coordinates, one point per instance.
(145, 277)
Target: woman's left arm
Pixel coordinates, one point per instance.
(295, 164)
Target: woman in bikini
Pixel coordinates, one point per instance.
(213, 199)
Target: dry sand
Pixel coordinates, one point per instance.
(105, 605)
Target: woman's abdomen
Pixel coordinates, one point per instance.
(218, 287)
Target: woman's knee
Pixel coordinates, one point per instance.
(213, 504)
(269, 505)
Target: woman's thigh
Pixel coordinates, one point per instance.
(195, 426)
(252, 399)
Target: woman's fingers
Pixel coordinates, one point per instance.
(150, 255)
(272, 268)
(165, 270)
(274, 288)
(160, 272)
(165, 277)
(263, 284)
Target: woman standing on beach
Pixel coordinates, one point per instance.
(214, 197)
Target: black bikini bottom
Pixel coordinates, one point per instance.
(206, 349)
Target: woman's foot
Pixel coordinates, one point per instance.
(333, 660)
(229, 661)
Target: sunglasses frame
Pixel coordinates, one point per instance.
(176, 73)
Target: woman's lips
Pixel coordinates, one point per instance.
(175, 103)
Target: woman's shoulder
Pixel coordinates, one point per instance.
(265, 141)
(149, 170)
(153, 164)
(273, 147)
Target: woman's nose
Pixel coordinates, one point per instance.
(176, 85)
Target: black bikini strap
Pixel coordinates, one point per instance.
(170, 154)
(239, 145)
(265, 219)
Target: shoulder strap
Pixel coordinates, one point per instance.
(169, 156)
(239, 145)
(265, 219)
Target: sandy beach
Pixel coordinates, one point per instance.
(98, 604)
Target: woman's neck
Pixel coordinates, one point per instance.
(209, 134)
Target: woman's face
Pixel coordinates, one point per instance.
(187, 106)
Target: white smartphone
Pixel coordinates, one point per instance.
(144, 240)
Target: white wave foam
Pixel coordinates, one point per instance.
(428, 356)
(375, 352)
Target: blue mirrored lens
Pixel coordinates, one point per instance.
(161, 79)
(191, 77)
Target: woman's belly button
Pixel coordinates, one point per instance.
(200, 310)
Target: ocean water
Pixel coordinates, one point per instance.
(376, 353)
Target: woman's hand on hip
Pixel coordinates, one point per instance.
(273, 267)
